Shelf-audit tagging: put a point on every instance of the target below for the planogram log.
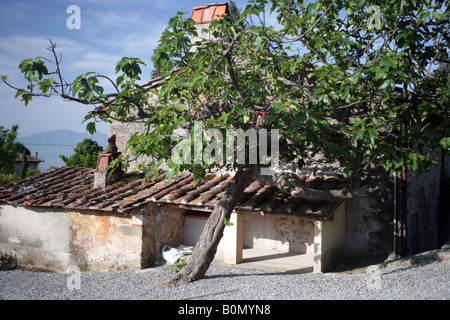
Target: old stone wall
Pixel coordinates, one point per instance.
(422, 214)
(123, 132)
(111, 242)
(444, 203)
(369, 227)
(329, 240)
(370, 221)
(267, 232)
(425, 201)
(427, 207)
(59, 239)
(281, 234)
(35, 237)
(172, 226)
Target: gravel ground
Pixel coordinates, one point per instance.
(425, 281)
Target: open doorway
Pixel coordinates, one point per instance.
(270, 241)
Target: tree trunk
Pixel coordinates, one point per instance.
(212, 233)
(290, 183)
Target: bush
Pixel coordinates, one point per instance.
(7, 178)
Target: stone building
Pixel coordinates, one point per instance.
(32, 163)
(56, 219)
(70, 216)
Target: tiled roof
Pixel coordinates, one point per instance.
(69, 187)
(29, 158)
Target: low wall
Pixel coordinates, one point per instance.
(107, 242)
(35, 237)
(56, 239)
(329, 240)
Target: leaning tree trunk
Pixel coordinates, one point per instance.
(206, 246)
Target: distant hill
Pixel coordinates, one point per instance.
(49, 145)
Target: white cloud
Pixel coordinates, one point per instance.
(104, 20)
(42, 114)
(45, 113)
(94, 61)
(141, 45)
(110, 29)
(14, 49)
(22, 47)
(16, 11)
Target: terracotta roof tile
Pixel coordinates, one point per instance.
(209, 12)
(68, 187)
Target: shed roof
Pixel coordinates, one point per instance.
(72, 188)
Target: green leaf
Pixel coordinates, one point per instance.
(387, 86)
(398, 162)
(227, 222)
(380, 74)
(26, 98)
(373, 135)
(358, 134)
(437, 16)
(46, 84)
(445, 143)
(24, 65)
(19, 93)
(40, 68)
(90, 128)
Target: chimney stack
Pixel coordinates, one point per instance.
(103, 176)
(203, 15)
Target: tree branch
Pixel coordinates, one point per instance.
(58, 71)
(293, 85)
(291, 184)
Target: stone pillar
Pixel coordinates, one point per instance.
(329, 240)
(233, 239)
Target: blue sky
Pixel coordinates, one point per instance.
(110, 30)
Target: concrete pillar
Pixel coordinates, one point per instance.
(329, 240)
(233, 239)
(157, 230)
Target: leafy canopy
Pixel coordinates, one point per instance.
(333, 81)
(86, 154)
(343, 80)
(8, 148)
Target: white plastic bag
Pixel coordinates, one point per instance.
(172, 255)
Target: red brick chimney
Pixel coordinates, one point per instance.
(103, 176)
(209, 12)
(203, 15)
